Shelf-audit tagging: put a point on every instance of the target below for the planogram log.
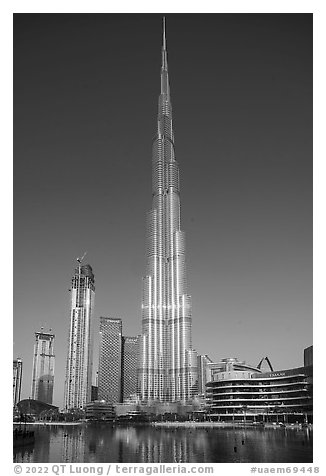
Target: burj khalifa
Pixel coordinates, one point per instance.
(168, 369)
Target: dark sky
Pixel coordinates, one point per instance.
(85, 103)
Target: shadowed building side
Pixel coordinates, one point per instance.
(308, 356)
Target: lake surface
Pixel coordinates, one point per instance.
(100, 443)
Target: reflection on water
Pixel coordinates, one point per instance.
(100, 443)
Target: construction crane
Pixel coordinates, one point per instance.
(81, 259)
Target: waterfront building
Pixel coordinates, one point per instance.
(308, 364)
(240, 392)
(166, 342)
(78, 381)
(37, 409)
(99, 410)
(110, 360)
(130, 365)
(122, 409)
(17, 380)
(43, 367)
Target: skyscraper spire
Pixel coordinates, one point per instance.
(168, 369)
(164, 72)
(164, 38)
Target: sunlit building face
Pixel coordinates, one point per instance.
(80, 340)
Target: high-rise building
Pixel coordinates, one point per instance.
(94, 393)
(43, 367)
(308, 356)
(80, 340)
(204, 373)
(130, 365)
(17, 380)
(166, 304)
(110, 360)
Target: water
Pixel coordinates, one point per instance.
(100, 443)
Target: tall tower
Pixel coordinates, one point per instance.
(166, 357)
(17, 381)
(204, 373)
(43, 367)
(110, 360)
(78, 382)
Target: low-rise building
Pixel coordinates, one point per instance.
(278, 396)
(36, 409)
(99, 410)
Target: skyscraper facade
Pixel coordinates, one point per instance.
(17, 380)
(80, 340)
(110, 360)
(166, 344)
(43, 367)
(130, 365)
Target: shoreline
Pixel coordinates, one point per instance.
(168, 424)
(216, 424)
(50, 423)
